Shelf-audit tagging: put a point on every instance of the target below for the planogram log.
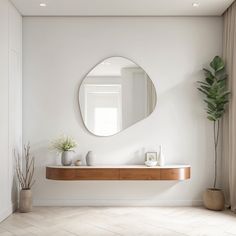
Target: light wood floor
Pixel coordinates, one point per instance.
(103, 221)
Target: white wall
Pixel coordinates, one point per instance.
(10, 102)
(58, 52)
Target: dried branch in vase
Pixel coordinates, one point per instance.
(25, 175)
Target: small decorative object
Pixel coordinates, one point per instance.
(151, 159)
(151, 156)
(25, 176)
(65, 145)
(90, 158)
(78, 162)
(161, 159)
(216, 97)
(150, 163)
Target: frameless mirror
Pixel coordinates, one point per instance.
(114, 95)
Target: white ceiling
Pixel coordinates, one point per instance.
(122, 7)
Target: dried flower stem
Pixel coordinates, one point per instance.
(25, 177)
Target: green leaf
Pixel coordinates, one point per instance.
(221, 74)
(209, 76)
(214, 87)
(206, 88)
(204, 83)
(211, 118)
(217, 64)
(209, 81)
(201, 90)
(224, 94)
(208, 73)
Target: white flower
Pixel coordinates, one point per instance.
(64, 143)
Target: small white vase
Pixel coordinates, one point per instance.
(161, 157)
(90, 158)
(66, 158)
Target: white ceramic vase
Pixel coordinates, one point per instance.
(66, 158)
(25, 204)
(90, 158)
(161, 158)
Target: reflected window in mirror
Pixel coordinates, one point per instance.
(114, 95)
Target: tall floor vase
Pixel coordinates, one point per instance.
(25, 204)
(213, 199)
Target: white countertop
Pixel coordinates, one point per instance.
(121, 167)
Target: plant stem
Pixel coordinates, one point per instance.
(216, 139)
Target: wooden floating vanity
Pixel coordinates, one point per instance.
(125, 172)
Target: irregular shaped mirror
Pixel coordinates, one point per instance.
(114, 95)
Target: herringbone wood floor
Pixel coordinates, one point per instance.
(103, 221)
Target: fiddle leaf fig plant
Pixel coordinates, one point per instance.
(216, 96)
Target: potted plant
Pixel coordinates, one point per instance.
(216, 95)
(25, 174)
(65, 145)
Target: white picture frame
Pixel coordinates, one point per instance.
(151, 156)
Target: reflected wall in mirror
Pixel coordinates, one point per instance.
(114, 95)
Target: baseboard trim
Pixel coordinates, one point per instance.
(114, 202)
(7, 212)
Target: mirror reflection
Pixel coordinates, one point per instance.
(114, 95)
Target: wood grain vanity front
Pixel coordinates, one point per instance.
(138, 172)
(175, 174)
(82, 174)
